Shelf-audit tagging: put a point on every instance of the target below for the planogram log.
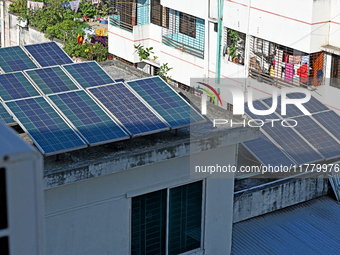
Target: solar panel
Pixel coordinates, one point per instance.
(313, 105)
(93, 124)
(258, 105)
(291, 110)
(292, 143)
(4, 115)
(134, 115)
(48, 54)
(88, 74)
(318, 137)
(51, 80)
(331, 121)
(267, 152)
(166, 102)
(43, 124)
(14, 59)
(15, 86)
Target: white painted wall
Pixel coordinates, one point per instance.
(334, 29)
(196, 8)
(93, 216)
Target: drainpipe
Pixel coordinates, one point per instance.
(219, 40)
(206, 42)
(2, 24)
(247, 53)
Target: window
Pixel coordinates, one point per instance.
(335, 71)
(168, 221)
(230, 107)
(125, 16)
(234, 46)
(159, 14)
(187, 24)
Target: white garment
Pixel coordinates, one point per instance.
(74, 5)
(33, 5)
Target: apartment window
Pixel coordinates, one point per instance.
(125, 15)
(159, 14)
(187, 25)
(234, 46)
(230, 107)
(335, 71)
(168, 221)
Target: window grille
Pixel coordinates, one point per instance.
(185, 33)
(282, 66)
(234, 46)
(159, 14)
(129, 13)
(335, 71)
(230, 107)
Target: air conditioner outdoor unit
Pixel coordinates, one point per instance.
(21, 196)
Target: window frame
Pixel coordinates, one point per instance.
(161, 14)
(187, 17)
(201, 248)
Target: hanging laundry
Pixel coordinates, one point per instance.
(317, 66)
(303, 73)
(296, 79)
(319, 77)
(88, 31)
(285, 58)
(74, 5)
(295, 60)
(100, 32)
(80, 39)
(305, 60)
(289, 73)
(33, 5)
(66, 5)
(278, 63)
(272, 72)
(224, 49)
(266, 48)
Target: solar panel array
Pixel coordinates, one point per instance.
(16, 85)
(166, 102)
(51, 105)
(4, 115)
(45, 126)
(314, 138)
(51, 80)
(134, 116)
(88, 74)
(93, 124)
(48, 54)
(14, 59)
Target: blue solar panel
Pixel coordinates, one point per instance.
(88, 118)
(14, 59)
(88, 74)
(16, 86)
(318, 137)
(48, 54)
(51, 80)
(258, 105)
(166, 102)
(268, 153)
(313, 105)
(43, 124)
(331, 121)
(4, 115)
(128, 109)
(291, 110)
(292, 143)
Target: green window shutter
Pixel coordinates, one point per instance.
(185, 218)
(149, 224)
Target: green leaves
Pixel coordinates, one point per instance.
(143, 53)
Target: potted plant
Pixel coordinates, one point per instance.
(233, 47)
(87, 10)
(143, 53)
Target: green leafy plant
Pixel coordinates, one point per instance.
(87, 9)
(163, 71)
(68, 27)
(143, 53)
(234, 36)
(104, 9)
(155, 57)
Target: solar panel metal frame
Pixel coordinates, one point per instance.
(29, 80)
(34, 141)
(275, 144)
(62, 66)
(10, 123)
(76, 129)
(324, 127)
(31, 56)
(38, 88)
(142, 101)
(191, 108)
(264, 104)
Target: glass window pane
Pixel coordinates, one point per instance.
(149, 223)
(185, 218)
(3, 199)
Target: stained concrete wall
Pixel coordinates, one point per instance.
(277, 196)
(93, 216)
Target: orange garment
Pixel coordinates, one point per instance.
(317, 64)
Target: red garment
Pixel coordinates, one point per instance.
(303, 73)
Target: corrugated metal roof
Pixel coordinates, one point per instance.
(309, 228)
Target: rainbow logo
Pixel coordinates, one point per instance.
(209, 93)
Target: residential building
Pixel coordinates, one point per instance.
(303, 39)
